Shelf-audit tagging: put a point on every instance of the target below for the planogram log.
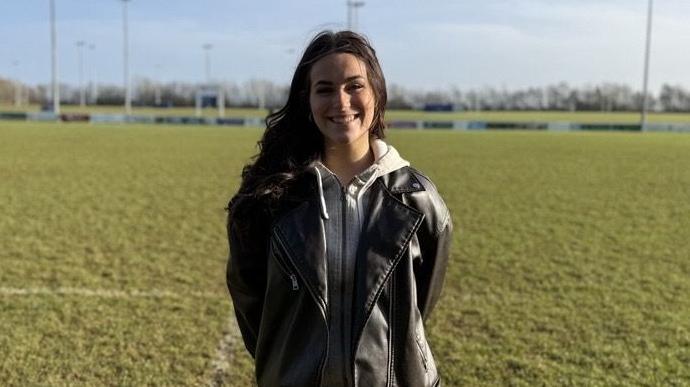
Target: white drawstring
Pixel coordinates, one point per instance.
(324, 213)
(367, 184)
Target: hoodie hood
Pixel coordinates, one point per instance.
(386, 160)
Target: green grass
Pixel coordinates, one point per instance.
(502, 116)
(569, 264)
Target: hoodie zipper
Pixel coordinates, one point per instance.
(343, 247)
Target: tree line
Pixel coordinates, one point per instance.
(270, 95)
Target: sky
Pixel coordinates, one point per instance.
(422, 44)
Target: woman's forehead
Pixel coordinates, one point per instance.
(338, 67)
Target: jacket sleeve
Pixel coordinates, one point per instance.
(431, 269)
(246, 279)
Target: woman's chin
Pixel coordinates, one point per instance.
(341, 141)
(347, 137)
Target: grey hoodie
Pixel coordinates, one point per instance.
(343, 214)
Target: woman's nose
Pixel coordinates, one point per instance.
(342, 99)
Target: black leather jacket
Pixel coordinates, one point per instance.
(277, 280)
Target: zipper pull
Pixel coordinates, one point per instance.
(295, 285)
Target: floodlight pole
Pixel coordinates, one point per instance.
(352, 14)
(55, 87)
(94, 87)
(17, 85)
(207, 61)
(221, 101)
(125, 33)
(643, 118)
(207, 69)
(349, 15)
(157, 91)
(82, 90)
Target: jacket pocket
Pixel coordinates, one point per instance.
(285, 268)
(430, 372)
(421, 346)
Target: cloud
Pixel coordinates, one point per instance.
(542, 43)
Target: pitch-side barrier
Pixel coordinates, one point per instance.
(549, 126)
(558, 126)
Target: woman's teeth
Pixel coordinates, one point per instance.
(343, 119)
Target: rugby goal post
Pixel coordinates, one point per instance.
(210, 97)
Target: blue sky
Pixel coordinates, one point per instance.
(424, 44)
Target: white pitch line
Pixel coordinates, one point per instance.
(103, 293)
(226, 345)
(222, 362)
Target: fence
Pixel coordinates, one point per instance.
(395, 124)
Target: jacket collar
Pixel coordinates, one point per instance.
(402, 181)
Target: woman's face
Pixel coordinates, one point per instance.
(341, 99)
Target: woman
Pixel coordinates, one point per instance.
(338, 248)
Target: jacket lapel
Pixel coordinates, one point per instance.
(385, 238)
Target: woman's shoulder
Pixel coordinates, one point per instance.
(425, 181)
(421, 194)
(410, 179)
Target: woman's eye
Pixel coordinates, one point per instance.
(323, 90)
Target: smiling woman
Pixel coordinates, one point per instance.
(338, 248)
(343, 104)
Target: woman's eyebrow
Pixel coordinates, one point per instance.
(327, 83)
(348, 79)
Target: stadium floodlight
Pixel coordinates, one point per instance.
(352, 14)
(645, 77)
(55, 87)
(207, 58)
(125, 33)
(82, 90)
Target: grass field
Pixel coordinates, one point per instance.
(502, 116)
(570, 263)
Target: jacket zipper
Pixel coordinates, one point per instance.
(288, 272)
(392, 332)
(316, 300)
(422, 352)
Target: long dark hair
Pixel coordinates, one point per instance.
(292, 141)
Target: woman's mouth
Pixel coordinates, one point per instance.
(344, 119)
